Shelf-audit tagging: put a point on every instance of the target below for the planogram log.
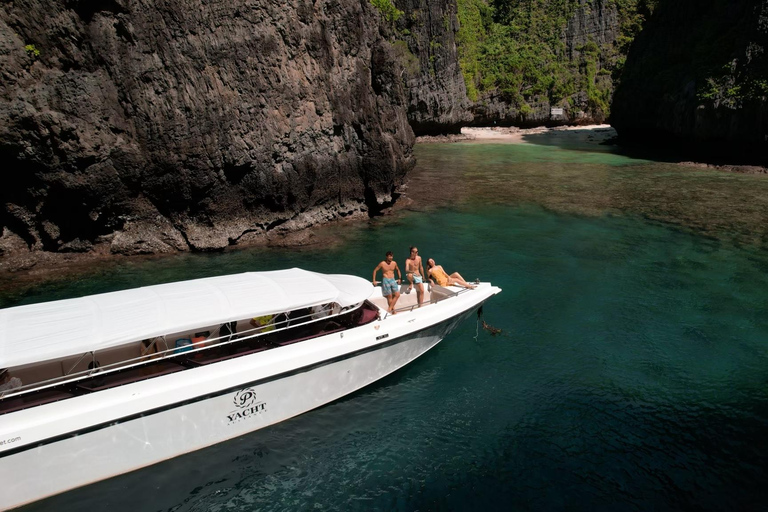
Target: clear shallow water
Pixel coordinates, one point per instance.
(584, 178)
(631, 373)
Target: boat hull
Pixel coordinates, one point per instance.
(120, 445)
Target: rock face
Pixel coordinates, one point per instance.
(153, 126)
(437, 96)
(591, 21)
(596, 21)
(696, 79)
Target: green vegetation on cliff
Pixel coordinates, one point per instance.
(388, 10)
(516, 49)
(32, 51)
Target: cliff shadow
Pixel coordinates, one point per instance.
(652, 147)
(598, 139)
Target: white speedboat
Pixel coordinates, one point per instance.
(114, 382)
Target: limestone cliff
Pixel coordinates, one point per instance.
(437, 96)
(149, 126)
(697, 79)
(520, 60)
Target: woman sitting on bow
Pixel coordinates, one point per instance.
(438, 275)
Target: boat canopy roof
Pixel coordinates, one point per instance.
(50, 330)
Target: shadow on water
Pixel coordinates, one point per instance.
(598, 139)
(606, 140)
(662, 150)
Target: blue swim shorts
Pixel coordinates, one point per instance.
(417, 279)
(388, 286)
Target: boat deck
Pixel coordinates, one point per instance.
(409, 301)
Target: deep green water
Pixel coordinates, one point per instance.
(632, 373)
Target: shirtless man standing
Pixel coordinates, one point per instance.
(388, 283)
(414, 271)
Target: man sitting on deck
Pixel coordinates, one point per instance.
(388, 283)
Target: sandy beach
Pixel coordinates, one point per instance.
(513, 135)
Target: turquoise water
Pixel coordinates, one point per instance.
(631, 372)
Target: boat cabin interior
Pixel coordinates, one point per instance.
(58, 379)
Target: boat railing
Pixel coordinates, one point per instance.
(432, 300)
(208, 343)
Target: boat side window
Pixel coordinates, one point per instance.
(367, 313)
(8, 381)
(347, 319)
(263, 323)
(299, 316)
(321, 311)
(32, 374)
(76, 364)
(362, 315)
(329, 326)
(93, 369)
(229, 330)
(295, 323)
(149, 349)
(198, 340)
(150, 357)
